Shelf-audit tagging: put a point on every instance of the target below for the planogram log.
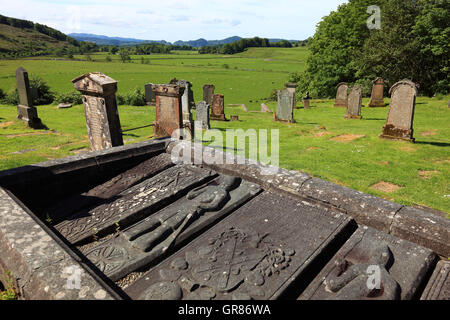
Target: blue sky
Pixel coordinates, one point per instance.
(173, 20)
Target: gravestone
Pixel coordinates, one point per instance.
(377, 97)
(187, 102)
(100, 108)
(234, 118)
(341, 95)
(265, 108)
(203, 115)
(438, 287)
(166, 229)
(218, 108)
(307, 101)
(292, 88)
(25, 109)
(399, 123)
(255, 253)
(132, 204)
(150, 98)
(354, 103)
(368, 254)
(208, 92)
(169, 114)
(285, 111)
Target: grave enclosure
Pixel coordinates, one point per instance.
(145, 225)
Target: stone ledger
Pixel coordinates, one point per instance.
(438, 287)
(133, 204)
(255, 253)
(160, 233)
(393, 267)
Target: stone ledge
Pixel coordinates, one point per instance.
(37, 262)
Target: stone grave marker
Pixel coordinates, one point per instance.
(234, 118)
(150, 239)
(307, 101)
(100, 107)
(150, 98)
(265, 108)
(377, 97)
(208, 92)
(255, 253)
(399, 123)
(169, 114)
(438, 287)
(292, 88)
(354, 103)
(218, 108)
(133, 204)
(367, 252)
(25, 109)
(285, 111)
(203, 115)
(341, 95)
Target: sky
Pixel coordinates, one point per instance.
(173, 20)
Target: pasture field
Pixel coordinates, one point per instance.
(321, 143)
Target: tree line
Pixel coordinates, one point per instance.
(242, 45)
(413, 42)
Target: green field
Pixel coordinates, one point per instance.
(421, 170)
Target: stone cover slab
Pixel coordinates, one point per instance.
(110, 188)
(164, 231)
(133, 204)
(402, 267)
(256, 252)
(438, 287)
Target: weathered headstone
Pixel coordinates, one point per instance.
(292, 88)
(100, 107)
(255, 253)
(25, 109)
(265, 108)
(218, 108)
(165, 230)
(399, 123)
(377, 97)
(341, 95)
(202, 110)
(132, 204)
(307, 101)
(438, 287)
(169, 114)
(150, 98)
(354, 103)
(208, 92)
(285, 111)
(186, 103)
(372, 265)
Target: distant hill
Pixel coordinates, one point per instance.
(117, 41)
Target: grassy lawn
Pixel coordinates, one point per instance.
(314, 144)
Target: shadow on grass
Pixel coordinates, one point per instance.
(374, 119)
(437, 144)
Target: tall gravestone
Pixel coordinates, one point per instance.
(285, 110)
(354, 103)
(186, 103)
(341, 95)
(25, 109)
(169, 114)
(399, 123)
(203, 115)
(218, 108)
(208, 92)
(292, 88)
(100, 107)
(149, 95)
(377, 97)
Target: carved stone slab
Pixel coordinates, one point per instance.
(208, 92)
(133, 204)
(354, 103)
(203, 115)
(438, 287)
(368, 255)
(341, 95)
(377, 97)
(399, 123)
(110, 188)
(169, 115)
(255, 253)
(285, 110)
(162, 232)
(218, 108)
